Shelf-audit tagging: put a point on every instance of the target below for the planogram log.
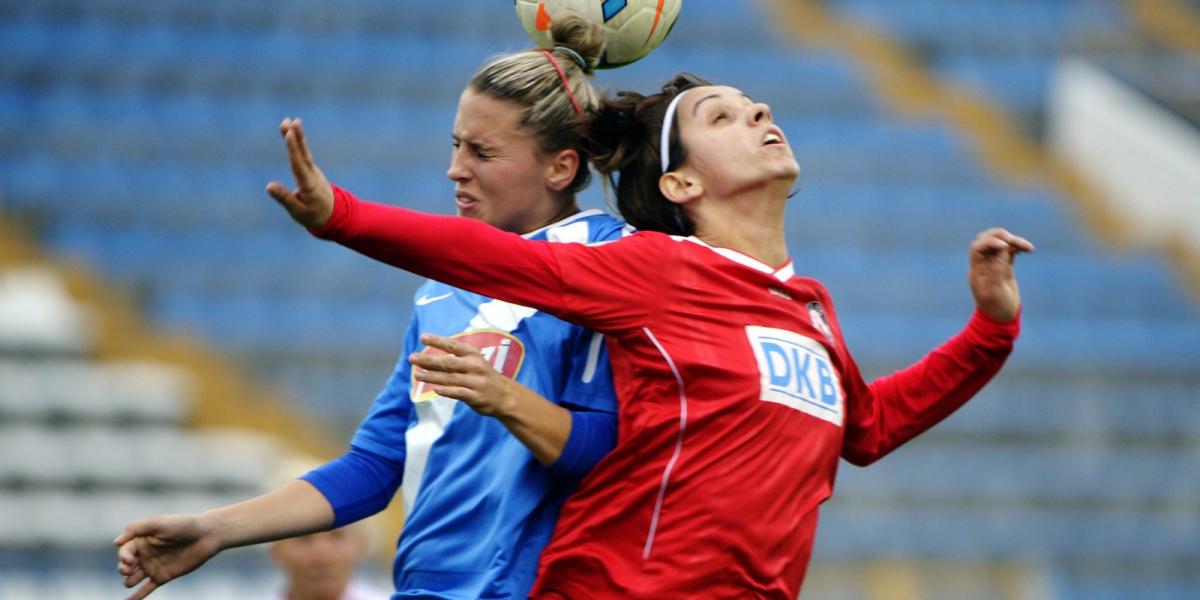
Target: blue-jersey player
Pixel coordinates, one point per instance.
(481, 506)
(483, 475)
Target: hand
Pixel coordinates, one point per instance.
(991, 273)
(311, 203)
(463, 374)
(161, 549)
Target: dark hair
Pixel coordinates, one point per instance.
(529, 79)
(625, 138)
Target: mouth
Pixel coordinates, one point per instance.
(464, 201)
(774, 137)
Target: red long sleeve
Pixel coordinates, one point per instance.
(896, 408)
(461, 252)
(572, 281)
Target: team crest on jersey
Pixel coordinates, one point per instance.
(816, 314)
(501, 349)
(796, 371)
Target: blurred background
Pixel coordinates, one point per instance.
(169, 339)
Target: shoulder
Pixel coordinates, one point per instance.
(818, 289)
(584, 227)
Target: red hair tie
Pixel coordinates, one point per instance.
(563, 76)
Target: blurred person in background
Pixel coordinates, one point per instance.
(320, 566)
(483, 488)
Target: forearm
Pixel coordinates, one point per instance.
(569, 442)
(910, 401)
(541, 425)
(296, 508)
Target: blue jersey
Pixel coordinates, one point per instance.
(480, 506)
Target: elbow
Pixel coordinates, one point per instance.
(593, 435)
(860, 457)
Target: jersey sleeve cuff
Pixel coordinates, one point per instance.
(593, 435)
(990, 332)
(335, 228)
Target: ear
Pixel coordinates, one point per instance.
(561, 169)
(680, 187)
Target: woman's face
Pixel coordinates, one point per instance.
(499, 173)
(732, 142)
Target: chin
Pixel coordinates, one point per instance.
(788, 174)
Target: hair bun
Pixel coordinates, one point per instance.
(586, 39)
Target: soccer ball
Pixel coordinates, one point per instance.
(632, 28)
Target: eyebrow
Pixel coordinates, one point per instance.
(696, 106)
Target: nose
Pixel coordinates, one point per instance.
(760, 113)
(458, 170)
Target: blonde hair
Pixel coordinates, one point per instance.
(548, 107)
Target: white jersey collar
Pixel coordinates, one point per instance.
(783, 273)
(591, 212)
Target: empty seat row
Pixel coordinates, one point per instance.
(88, 521)
(870, 276)
(1138, 474)
(1098, 409)
(38, 315)
(1014, 26)
(1131, 347)
(730, 24)
(122, 392)
(301, 327)
(352, 66)
(95, 455)
(1013, 531)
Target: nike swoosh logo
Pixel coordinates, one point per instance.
(423, 300)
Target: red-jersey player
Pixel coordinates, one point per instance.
(737, 392)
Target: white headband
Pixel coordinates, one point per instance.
(664, 147)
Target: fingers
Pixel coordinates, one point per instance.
(999, 240)
(302, 142)
(137, 528)
(467, 395)
(127, 553)
(441, 363)
(304, 168)
(449, 345)
(442, 377)
(144, 591)
(285, 196)
(279, 191)
(123, 538)
(134, 577)
(301, 171)
(458, 357)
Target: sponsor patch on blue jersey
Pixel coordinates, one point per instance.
(796, 371)
(501, 349)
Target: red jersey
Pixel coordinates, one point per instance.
(737, 397)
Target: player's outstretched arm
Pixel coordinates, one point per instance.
(464, 375)
(896, 408)
(159, 549)
(311, 202)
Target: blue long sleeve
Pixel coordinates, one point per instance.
(358, 484)
(593, 434)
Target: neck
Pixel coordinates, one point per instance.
(292, 594)
(564, 210)
(750, 223)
